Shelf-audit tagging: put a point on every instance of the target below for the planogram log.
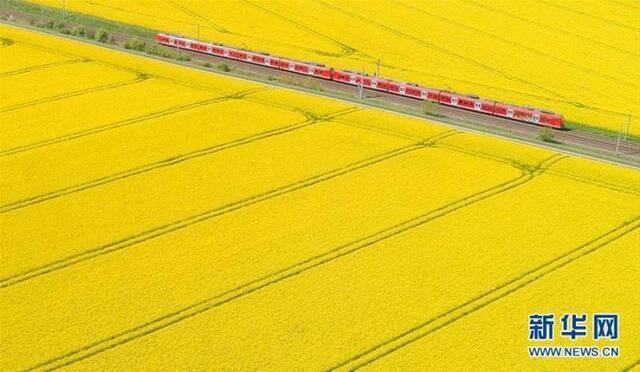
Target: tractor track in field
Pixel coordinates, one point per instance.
(550, 26)
(73, 94)
(164, 163)
(41, 67)
(631, 366)
(130, 121)
(589, 15)
(295, 269)
(486, 298)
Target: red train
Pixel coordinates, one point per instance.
(473, 103)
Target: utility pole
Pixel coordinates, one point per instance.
(619, 136)
(626, 133)
(361, 82)
(378, 68)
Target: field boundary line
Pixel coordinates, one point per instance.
(41, 67)
(73, 94)
(488, 297)
(605, 185)
(377, 130)
(173, 160)
(138, 119)
(555, 172)
(290, 271)
(478, 154)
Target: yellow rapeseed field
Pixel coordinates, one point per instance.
(579, 58)
(159, 217)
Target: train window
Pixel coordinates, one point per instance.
(536, 118)
(374, 83)
(477, 105)
(454, 100)
(402, 89)
(509, 112)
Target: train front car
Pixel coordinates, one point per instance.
(551, 119)
(529, 115)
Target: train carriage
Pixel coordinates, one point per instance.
(405, 89)
(345, 76)
(429, 94)
(306, 68)
(376, 83)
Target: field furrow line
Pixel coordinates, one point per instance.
(180, 224)
(346, 50)
(41, 67)
(432, 325)
(592, 16)
(130, 121)
(285, 273)
(376, 130)
(486, 6)
(74, 93)
(542, 53)
(177, 159)
(631, 366)
(618, 188)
